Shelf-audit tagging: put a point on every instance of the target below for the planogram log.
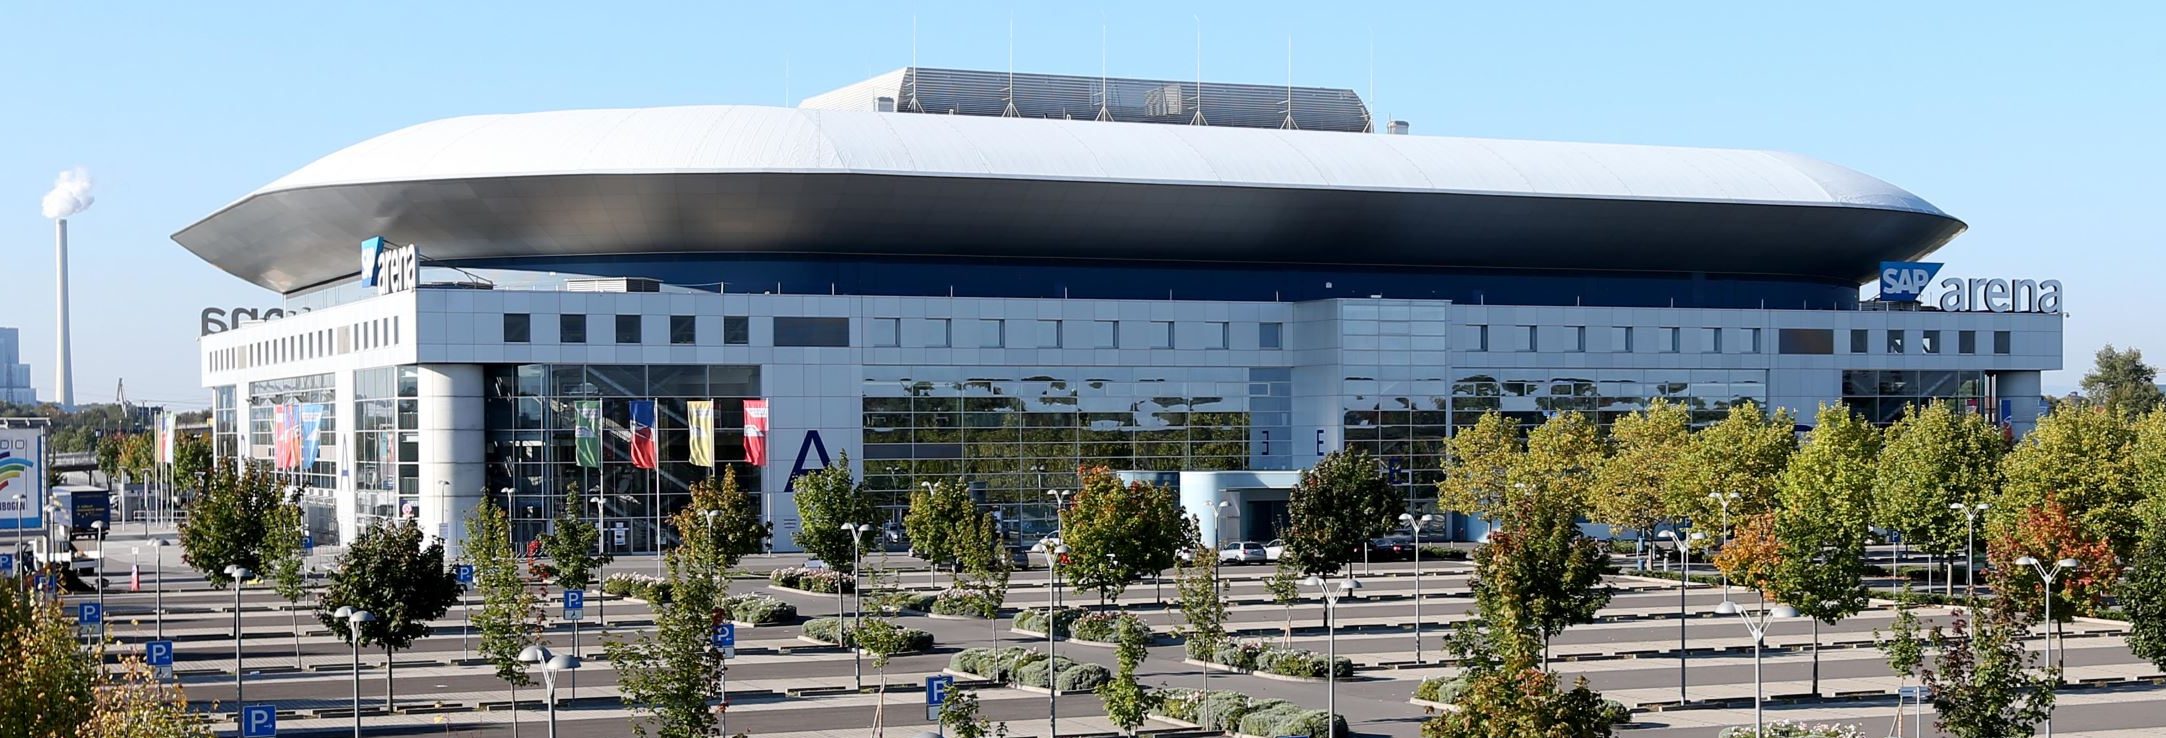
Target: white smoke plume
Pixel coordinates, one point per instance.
(70, 195)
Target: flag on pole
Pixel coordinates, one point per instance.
(168, 444)
(756, 432)
(588, 442)
(699, 414)
(135, 578)
(284, 430)
(310, 420)
(643, 455)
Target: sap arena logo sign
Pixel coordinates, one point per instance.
(220, 320)
(1903, 281)
(389, 267)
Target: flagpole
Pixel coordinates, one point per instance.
(654, 436)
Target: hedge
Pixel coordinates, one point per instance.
(1237, 712)
(833, 630)
(1034, 620)
(1102, 627)
(965, 603)
(759, 609)
(1016, 665)
(811, 580)
(1787, 729)
(1293, 662)
(912, 601)
(655, 590)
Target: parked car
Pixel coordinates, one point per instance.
(1242, 552)
(1391, 548)
(1275, 549)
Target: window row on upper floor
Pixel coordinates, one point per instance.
(819, 332)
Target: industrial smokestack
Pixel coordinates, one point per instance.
(70, 195)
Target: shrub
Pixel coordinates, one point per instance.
(1293, 662)
(1223, 709)
(1787, 729)
(1441, 689)
(965, 603)
(912, 601)
(759, 610)
(655, 590)
(1034, 620)
(1264, 717)
(826, 581)
(1102, 627)
(834, 630)
(1074, 677)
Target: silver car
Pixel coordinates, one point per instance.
(1243, 552)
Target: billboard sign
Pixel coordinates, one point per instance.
(1905, 281)
(22, 478)
(389, 267)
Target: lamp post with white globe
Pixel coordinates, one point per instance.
(1416, 524)
(240, 574)
(2048, 575)
(354, 619)
(1757, 625)
(1347, 587)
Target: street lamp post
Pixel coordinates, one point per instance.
(857, 536)
(157, 547)
(1970, 531)
(1347, 588)
(1724, 499)
(97, 528)
(2048, 575)
(239, 574)
(601, 548)
(1757, 625)
(1054, 551)
(354, 618)
(1416, 524)
(1684, 577)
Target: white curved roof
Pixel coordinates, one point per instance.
(746, 139)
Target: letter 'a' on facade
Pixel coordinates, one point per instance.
(937, 292)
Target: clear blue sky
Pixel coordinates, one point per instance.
(2039, 124)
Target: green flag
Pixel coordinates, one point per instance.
(589, 438)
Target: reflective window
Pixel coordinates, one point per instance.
(683, 330)
(1752, 340)
(931, 333)
(812, 332)
(1048, 333)
(1860, 341)
(1966, 342)
(736, 330)
(992, 333)
(572, 328)
(2002, 341)
(518, 327)
(886, 332)
(1161, 335)
(1672, 340)
(1813, 341)
(1929, 341)
(1881, 396)
(1216, 334)
(1711, 340)
(1270, 335)
(1621, 339)
(628, 329)
(1104, 334)
(1895, 341)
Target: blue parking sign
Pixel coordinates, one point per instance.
(725, 635)
(465, 573)
(89, 613)
(158, 653)
(575, 604)
(936, 689)
(308, 544)
(7, 565)
(259, 721)
(48, 584)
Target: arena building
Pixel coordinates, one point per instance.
(994, 278)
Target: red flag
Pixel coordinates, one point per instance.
(135, 578)
(756, 432)
(643, 454)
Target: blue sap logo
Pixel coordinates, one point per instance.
(1905, 281)
(371, 266)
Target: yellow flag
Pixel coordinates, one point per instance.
(700, 413)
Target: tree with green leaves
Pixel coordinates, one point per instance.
(2143, 591)
(47, 683)
(229, 525)
(2086, 456)
(138, 454)
(1931, 458)
(1202, 601)
(1478, 470)
(574, 547)
(510, 617)
(1118, 532)
(389, 571)
(191, 457)
(1562, 457)
(1826, 497)
(668, 675)
(1538, 572)
(133, 703)
(1634, 488)
(880, 638)
(1526, 701)
(108, 455)
(826, 499)
(1904, 650)
(939, 514)
(982, 558)
(1285, 588)
(960, 715)
(1335, 509)
(1126, 701)
(2121, 381)
(285, 562)
(1980, 679)
(1743, 454)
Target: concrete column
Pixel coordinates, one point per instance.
(344, 494)
(450, 419)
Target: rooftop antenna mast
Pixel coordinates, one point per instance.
(1199, 119)
(913, 105)
(1103, 96)
(1288, 123)
(1010, 112)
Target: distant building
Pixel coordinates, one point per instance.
(14, 375)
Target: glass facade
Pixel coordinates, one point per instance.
(226, 427)
(387, 442)
(1881, 395)
(532, 421)
(1015, 433)
(319, 481)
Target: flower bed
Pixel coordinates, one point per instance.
(834, 630)
(827, 581)
(965, 603)
(1102, 627)
(1027, 667)
(1787, 729)
(1235, 712)
(759, 610)
(1035, 621)
(652, 589)
(912, 601)
(1291, 662)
